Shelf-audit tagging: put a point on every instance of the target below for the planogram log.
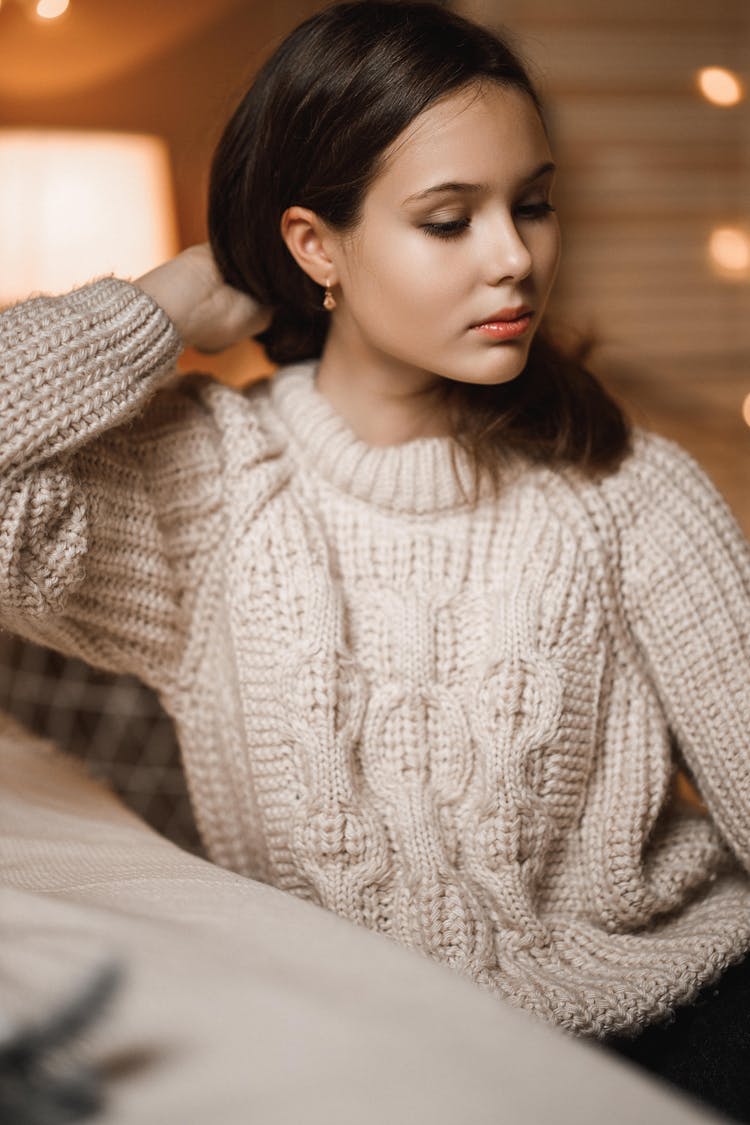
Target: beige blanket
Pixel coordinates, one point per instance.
(242, 1004)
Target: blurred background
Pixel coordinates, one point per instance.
(109, 111)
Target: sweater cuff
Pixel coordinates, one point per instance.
(76, 365)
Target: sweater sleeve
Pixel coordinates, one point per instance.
(94, 475)
(686, 587)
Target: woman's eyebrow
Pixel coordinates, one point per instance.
(456, 185)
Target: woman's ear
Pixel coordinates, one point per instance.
(309, 242)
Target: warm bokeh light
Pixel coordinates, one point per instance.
(76, 205)
(720, 86)
(729, 250)
(51, 9)
(746, 410)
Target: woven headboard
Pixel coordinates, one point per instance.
(115, 724)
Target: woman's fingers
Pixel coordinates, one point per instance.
(209, 314)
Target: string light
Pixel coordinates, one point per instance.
(729, 250)
(720, 86)
(51, 9)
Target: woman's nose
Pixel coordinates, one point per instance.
(510, 256)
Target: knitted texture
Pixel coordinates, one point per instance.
(455, 726)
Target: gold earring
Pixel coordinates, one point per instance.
(329, 301)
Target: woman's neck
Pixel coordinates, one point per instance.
(384, 402)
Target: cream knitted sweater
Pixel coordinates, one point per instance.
(457, 727)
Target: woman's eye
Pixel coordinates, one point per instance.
(446, 230)
(537, 210)
(532, 211)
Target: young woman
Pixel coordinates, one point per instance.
(435, 623)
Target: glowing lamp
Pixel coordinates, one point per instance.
(51, 9)
(75, 205)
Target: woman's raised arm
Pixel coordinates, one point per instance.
(100, 478)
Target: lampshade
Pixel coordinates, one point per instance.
(75, 205)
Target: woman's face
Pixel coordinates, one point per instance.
(426, 263)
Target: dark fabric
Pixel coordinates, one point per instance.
(705, 1049)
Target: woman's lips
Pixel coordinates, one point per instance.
(505, 329)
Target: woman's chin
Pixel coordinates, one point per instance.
(500, 369)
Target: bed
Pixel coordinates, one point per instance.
(239, 1003)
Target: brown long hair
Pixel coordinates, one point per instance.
(312, 130)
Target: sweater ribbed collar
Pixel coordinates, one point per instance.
(414, 476)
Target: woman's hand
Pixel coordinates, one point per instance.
(209, 314)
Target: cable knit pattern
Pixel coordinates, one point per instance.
(456, 726)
